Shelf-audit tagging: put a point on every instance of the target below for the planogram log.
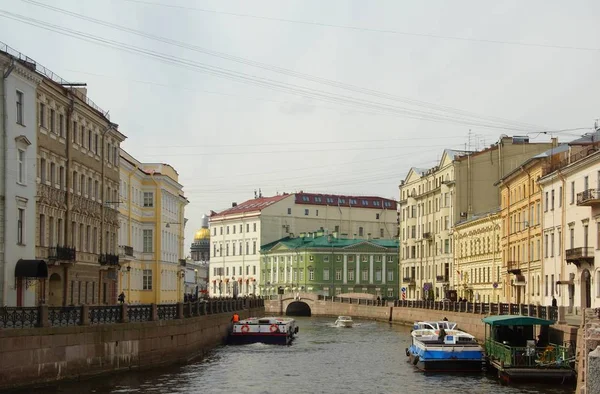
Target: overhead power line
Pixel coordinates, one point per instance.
(284, 71)
(368, 29)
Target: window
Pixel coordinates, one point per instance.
(61, 125)
(306, 212)
(42, 115)
(52, 174)
(21, 163)
(147, 239)
(390, 292)
(552, 245)
(311, 274)
(19, 107)
(365, 274)
(96, 143)
(381, 233)
(390, 276)
(253, 247)
(147, 279)
(43, 170)
(96, 189)
(254, 227)
(50, 231)
(552, 200)
(20, 224)
(571, 238)
(52, 120)
(338, 274)
(376, 216)
(546, 245)
(42, 241)
(325, 273)
(378, 275)
(559, 242)
(89, 144)
(95, 240)
(148, 199)
(74, 131)
(560, 196)
(572, 192)
(247, 228)
(360, 231)
(350, 274)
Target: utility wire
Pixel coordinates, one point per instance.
(250, 79)
(280, 70)
(372, 30)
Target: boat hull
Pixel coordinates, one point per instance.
(271, 339)
(447, 358)
(446, 365)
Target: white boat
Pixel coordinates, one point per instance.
(439, 346)
(273, 330)
(344, 321)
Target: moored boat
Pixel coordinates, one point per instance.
(444, 350)
(344, 321)
(271, 330)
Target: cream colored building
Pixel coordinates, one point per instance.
(433, 200)
(478, 258)
(572, 227)
(151, 236)
(238, 233)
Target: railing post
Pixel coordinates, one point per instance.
(539, 311)
(43, 316)
(179, 310)
(124, 314)
(561, 315)
(154, 312)
(85, 315)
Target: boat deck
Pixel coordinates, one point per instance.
(525, 373)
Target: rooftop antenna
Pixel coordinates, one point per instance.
(255, 195)
(259, 193)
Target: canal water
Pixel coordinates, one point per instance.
(369, 358)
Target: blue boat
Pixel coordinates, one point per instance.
(440, 347)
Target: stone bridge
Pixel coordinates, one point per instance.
(294, 304)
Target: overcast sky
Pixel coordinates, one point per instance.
(284, 106)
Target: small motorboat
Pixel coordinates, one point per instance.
(270, 330)
(344, 321)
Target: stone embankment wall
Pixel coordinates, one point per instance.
(34, 356)
(467, 321)
(589, 353)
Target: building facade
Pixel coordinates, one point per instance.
(433, 200)
(522, 215)
(21, 275)
(478, 258)
(151, 237)
(78, 185)
(571, 230)
(327, 265)
(238, 233)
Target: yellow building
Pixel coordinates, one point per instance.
(151, 236)
(478, 258)
(521, 207)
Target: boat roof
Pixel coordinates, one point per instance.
(516, 320)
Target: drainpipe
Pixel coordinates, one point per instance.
(129, 243)
(69, 136)
(111, 126)
(563, 222)
(5, 76)
(158, 239)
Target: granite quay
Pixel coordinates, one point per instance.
(40, 345)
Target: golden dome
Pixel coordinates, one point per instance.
(201, 234)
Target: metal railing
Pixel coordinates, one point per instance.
(578, 253)
(587, 195)
(555, 356)
(44, 316)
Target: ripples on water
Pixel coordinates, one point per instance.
(368, 358)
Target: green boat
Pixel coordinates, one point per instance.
(518, 348)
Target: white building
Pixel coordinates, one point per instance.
(571, 226)
(19, 271)
(238, 233)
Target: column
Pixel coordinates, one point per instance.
(345, 273)
(371, 269)
(277, 271)
(357, 274)
(285, 271)
(383, 272)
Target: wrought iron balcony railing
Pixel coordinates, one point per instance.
(108, 259)
(577, 255)
(62, 253)
(588, 197)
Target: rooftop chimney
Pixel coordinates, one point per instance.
(233, 204)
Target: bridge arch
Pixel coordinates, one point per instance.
(297, 304)
(298, 308)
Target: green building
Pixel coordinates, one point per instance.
(329, 265)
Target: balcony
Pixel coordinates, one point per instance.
(125, 252)
(409, 280)
(580, 255)
(62, 253)
(588, 198)
(512, 267)
(108, 259)
(428, 236)
(441, 278)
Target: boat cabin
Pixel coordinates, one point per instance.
(434, 325)
(517, 346)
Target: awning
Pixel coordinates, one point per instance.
(31, 269)
(519, 280)
(516, 320)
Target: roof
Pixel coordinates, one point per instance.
(324, 242)
(254, 205)
(345, 201)
(588, 138)
(544, 155)
(516, 320)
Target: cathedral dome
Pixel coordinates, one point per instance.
(202, 234)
